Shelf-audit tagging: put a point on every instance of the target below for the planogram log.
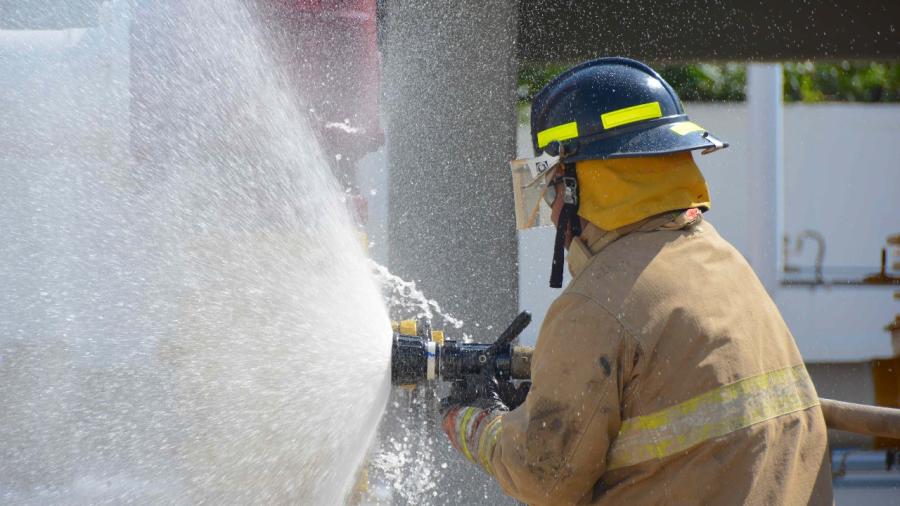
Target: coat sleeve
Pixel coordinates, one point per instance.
(552, 449)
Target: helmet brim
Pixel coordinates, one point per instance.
(658, 140)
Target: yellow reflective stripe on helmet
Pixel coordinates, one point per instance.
(612, 119)
(557, 133)
(713, 414)
(686, 127)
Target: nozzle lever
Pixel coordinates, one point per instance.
(515, 328)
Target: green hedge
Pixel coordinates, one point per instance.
(842, 82)
(706, 82)
(803, 81)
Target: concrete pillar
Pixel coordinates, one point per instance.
(449, 83)
(766, 141)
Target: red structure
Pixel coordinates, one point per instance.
(330, 47)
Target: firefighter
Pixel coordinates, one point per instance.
(663, 373)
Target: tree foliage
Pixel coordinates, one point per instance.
(842, 82)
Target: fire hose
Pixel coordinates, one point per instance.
(424, 356)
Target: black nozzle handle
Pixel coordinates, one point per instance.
(512, 331)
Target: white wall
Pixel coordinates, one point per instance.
(841, 177)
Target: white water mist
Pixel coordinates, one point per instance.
(199, 326)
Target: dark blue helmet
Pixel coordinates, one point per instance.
(613, 108)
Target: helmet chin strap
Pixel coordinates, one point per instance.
(568, 220)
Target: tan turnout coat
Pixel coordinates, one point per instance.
(658, 314)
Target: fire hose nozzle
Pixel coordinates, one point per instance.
(418, 359)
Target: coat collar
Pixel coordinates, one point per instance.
(594, 239)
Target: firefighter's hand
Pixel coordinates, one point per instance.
(513, 396)
(462, 393)
(477, 401)
(483, 392)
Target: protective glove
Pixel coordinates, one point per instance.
(489, 393)
(471, 418)
(483, 392)
(511, 395)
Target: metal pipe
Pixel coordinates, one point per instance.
(820, 252)
(861, 419)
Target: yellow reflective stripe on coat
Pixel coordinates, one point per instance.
(558, 133)
(713, 414)
(612, 119)
(487, 442)
(463, 432)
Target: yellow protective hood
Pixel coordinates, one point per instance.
(614, 193)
